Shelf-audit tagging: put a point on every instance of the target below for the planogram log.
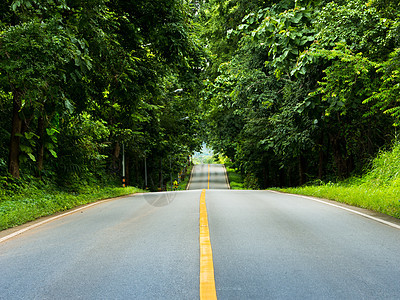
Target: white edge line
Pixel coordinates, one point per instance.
(190, 178)
(14, 234)
(226, 177)
(341, 207)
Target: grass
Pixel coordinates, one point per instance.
(32, 203)
(183, 184)
(377, 190)
(235, 179)
(383, 199)
(24, 202)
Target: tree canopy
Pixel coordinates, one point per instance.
(80, 78)
(309, 90)
(290, 91)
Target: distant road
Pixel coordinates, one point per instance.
(208, 177)
(265, 245)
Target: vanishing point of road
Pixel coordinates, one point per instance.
(204, 243)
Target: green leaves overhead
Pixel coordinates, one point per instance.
(286, 35)
(302, 94)
(290, 90)
(103, 69)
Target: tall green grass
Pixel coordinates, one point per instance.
(235, 179)
(184, 182)
(34, 202)
(378, 189)
(385, 169)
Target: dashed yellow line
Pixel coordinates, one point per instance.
(207, 280)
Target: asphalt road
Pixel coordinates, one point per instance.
(209, 177)
(264, 246)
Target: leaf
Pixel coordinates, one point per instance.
(25, 149)
(69, 106)
(51, 131)
(53, 153)
(30, 135)
(77, 62)
(15, 5)
(31, 156)
(297, 18)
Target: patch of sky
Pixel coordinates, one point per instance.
(205, 156)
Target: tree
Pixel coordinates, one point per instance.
(297, 87)
(35, 57)
(113, 63)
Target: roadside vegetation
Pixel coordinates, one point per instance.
(378, 189)
(235, 179)
(182, 182)
(305, 93)
(302, 90)
(84, 84)
(24, 201)
(292, 92)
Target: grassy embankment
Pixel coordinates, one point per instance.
(21, 202)
(184, 181)
(235, 179)
(378, 189)
(29, 201)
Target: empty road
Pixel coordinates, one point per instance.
(265, 245)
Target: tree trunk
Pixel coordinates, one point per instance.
(137, 171)
(145, 173)
(265, 176)
(40, 148)
(127, 175)
(289, 176)
(342, 161)
(115, 156)
(16, 130)
(282, 178)
(302, 169)
(321, 164)
(161, 177)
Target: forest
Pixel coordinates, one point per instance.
(302, 91)
(289, 91)
(80, 81)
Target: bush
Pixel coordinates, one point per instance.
(385, 168)
(378, 189)
(31, 204)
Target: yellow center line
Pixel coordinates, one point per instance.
(207, 280)
(208, 180)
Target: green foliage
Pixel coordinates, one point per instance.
(182, 182)
(10, 186)
(82, 159)
(85, 77)
(235, 179)
(384, 200)
(378, 189)
(286, 34)
(79, 81)
(300, 96)
(386, 97)
(38, 200)
(385, 170)
(237, 182)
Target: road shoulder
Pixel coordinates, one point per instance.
(379, 217)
